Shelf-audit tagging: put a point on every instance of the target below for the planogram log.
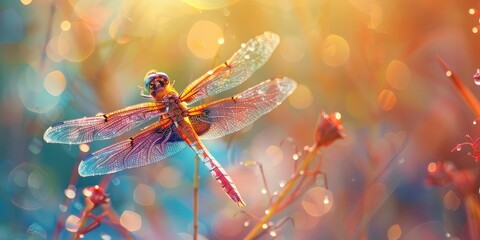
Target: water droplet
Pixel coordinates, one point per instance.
(264, 191)
(247, 57)
(115, 181)
(243, 45)
(62, 208)
(28, 186)
(471, 11)
(267, 212)
(474, 122)
(246, 223)
(84, 147)
(105, 236)
(36, 232)
(295, 156)
(326, 201)
(273, 233)
(264, 226)
(458, 148)
(476, 77)
(282, 184)
(448, 73)
(70, 191)
(72, 223)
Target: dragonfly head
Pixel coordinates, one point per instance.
(156, 82)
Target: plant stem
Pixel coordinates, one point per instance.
(195, 199)
(467, 95)
(275, 207)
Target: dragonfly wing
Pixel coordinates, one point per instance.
(229, 115)
(251, 56)
(153, 144)
(102, 127)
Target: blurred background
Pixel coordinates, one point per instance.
(372, 61)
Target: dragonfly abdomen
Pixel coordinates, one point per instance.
(218, 173)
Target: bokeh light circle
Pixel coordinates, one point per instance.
(292, 49)
(335, 50)
(78, 43)
(317, 201)
(202, 39)
(28, 186)
(398, 74)
(33, 94)
(387, 100)
(301, 98)
(55, 83)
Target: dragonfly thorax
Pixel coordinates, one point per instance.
(176, 109)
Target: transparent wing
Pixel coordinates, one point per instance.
(229, 115)
(153, 144)
(251, 56)
(109, 125)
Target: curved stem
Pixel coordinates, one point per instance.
(275, 207)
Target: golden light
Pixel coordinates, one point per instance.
(65, 25)
(314, 202)
(84, 147)
(274, 154)
(26, 2)
(335, 50)
(301, 98)
(292, 49)
(55, 83)
(394, 232)
(202, 39)
(448, 73)
(398, 74)
(209, 4)
(131, 221)
(115, 31)
(144, 195)
(387, 100)
(78, 43)
(376, 16)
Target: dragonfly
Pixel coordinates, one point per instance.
(181, 122)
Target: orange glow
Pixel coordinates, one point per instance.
(78, 43)
(335, 51)
(314, 202)
(387, 100)
(301, 98)
(202, 39)
(398, 74)
(432, 167)
(394, 232)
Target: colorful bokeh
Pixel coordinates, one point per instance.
(378, 64)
